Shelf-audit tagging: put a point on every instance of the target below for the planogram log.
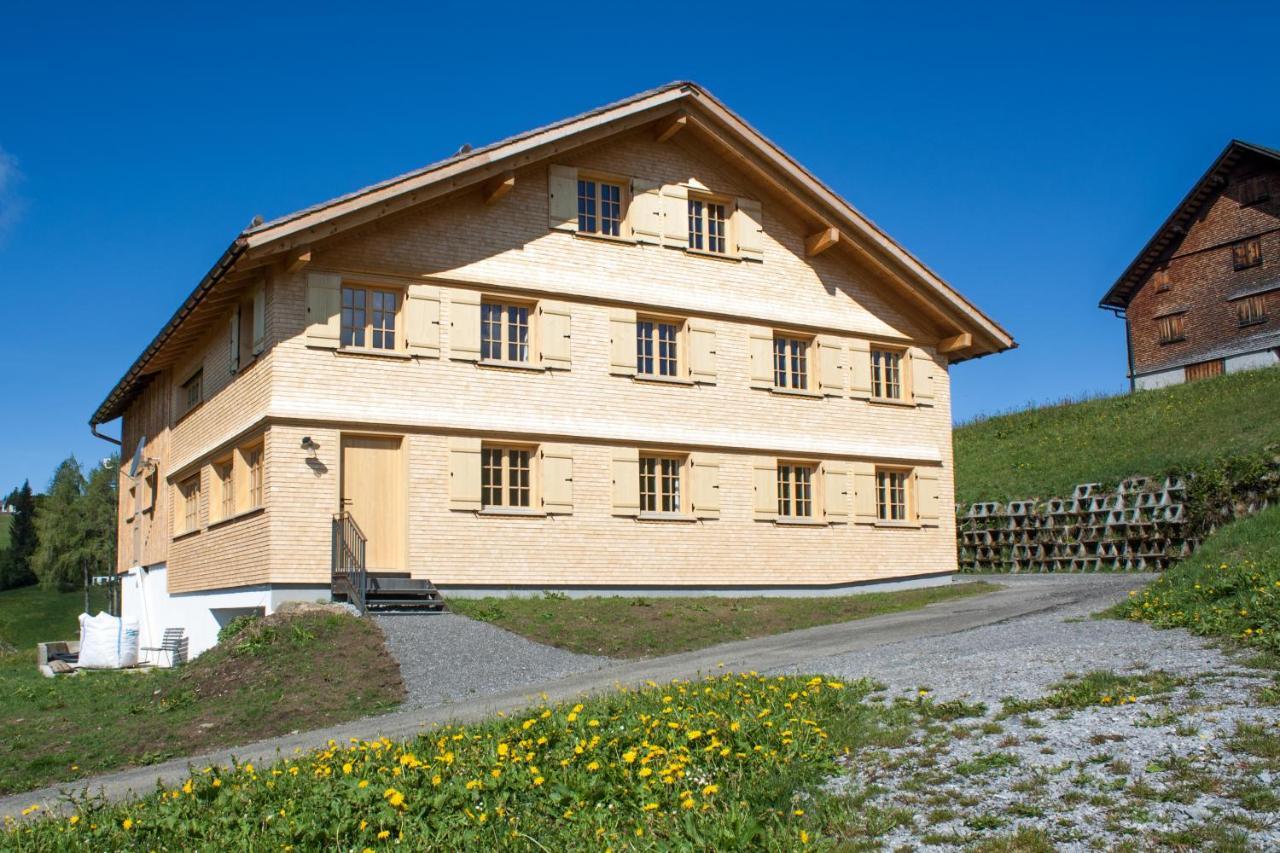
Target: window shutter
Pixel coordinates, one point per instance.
(860, 370)
(864, 493)
(830, 369)
(464, 473)
(562, 201)
(422, 320)
(928, 496)
(622, 341)
(835, 492)
(260, 318)
(646, 211)
(761, 349)
(704, 472)
(557, 479)
(626, 481)
(324, 315)
(748, 229)
(702, 351)
(764, 480)
(555, 334)
(922, 368)
(233, 343)
(675, 216)
(464, 325)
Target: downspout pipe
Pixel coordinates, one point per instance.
(1128, 343)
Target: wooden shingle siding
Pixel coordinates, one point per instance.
(577, 401)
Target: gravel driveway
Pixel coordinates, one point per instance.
(446, 658)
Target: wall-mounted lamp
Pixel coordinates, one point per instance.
(309, 445)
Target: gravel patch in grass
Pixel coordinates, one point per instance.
(445, 657)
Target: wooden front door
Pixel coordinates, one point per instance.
(374, 492)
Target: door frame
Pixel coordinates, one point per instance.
(402, 452)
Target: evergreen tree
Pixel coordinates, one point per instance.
(100, 506)
(15, 561)
(61, 533)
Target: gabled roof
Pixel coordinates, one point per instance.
(1176, 226)
(751, 151)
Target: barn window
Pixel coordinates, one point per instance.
(1171, 328)
(1251, 310)
(1254, 190)
(1160, 280)
(1247, 253)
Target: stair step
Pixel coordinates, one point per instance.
(399, 585)
(417, 604)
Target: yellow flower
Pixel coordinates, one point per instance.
(363, 825)
(629, 756)
(645, 771)
(687, 803)
(538, 780)
(649, 807)
(694, 735)
(804, 837)
(503, 749)
(386, 833)
(217, 783)
(593, 766)
(347, 768)
(364, 783)
(127, 823)
(74, 819)
(798, 812)
(710, 789)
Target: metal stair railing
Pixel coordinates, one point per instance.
(348, 559)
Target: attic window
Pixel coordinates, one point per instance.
(707, 225)
(1247, 253)
(599, 207)
(1172, 329)
(1160, 279)
(1254, 190)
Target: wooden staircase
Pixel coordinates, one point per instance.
(350, 581)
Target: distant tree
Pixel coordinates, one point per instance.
(62, 543)
(98, 514)
(15, 560)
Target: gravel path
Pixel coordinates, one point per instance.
(446, 658)
(1196, 764)
(1023, 656)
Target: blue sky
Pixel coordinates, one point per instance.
(1024, 155)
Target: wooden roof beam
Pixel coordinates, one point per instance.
(297, 259)
(964, 340)
(497, 187)
(818, 243)
(670, 126)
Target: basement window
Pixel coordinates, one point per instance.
(1247, 253)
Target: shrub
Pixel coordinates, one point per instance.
(236, 626)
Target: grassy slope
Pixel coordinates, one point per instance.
(307, 671)
(5, 521)
(642, 627)
(1045, 452)
(1229, 588)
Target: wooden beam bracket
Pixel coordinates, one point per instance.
(818, 243)
(964, 340)
(670, 126)
(497, 187)
(297, 259)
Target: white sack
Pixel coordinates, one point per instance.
(107, 642)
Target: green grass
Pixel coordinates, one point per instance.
(642, 627)
(1044, 452)
(5, 522)
(275, 678)
(733, 762)
(1098, 688)
(1229, 588)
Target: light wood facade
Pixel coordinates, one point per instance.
(300, 415)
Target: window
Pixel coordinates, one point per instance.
(1171, 328)
(790, 362)
(891, 495)
(886, 374)
(253, 465)
(657, 347)
(1247, 253)
(599, 208)
(1254, 190)
(1251, 310)
(189, 490)
(707, 225)
(193, 391)
(505, 477)
(369, 317)
(660, 484)
(1160, 279)
(504, 332)
(795, 490)
(223, 472)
